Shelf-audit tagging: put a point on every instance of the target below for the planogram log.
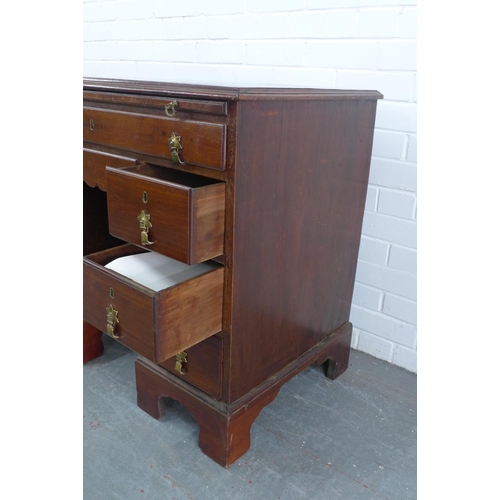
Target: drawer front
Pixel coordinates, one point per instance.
(170, 212)
(156, 325)
(202, 366)
(201, 143)
(180, 107)
(94, 166)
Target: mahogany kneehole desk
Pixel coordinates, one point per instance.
(268, 186)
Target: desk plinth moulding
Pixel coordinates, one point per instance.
(267, 184)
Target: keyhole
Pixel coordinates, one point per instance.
(91, 124)
(144, 197)
(111, 292)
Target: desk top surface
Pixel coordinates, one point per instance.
(221, 92)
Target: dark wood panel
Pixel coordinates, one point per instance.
(225, 428)
(203, 368)
(95, 221)
(156, 325)
(190, 312)
(224, 431)
(224, 93)
(154, 160)
(183, 105)
(133, 303)
(160, 88)
(299, 204)
(294, 167)
(203, 144)
(186, 211)
(207, 222)
(94, 166)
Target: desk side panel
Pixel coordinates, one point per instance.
(301, 177)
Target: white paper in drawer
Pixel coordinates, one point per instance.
(157, 271)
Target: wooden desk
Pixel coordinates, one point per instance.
(269, 186)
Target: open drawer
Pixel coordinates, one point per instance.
(155, 323)
(171, 212)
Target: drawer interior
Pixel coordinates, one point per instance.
(106, 256)
(149, 269)
(156, 271)
(156, 321)
(168, 175)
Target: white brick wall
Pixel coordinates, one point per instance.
(357, 44)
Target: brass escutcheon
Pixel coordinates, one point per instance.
(91, 124)
(144, 226)
(111, 321)
(180, 359)
(170, 108)
(144, 197)
(175, 145)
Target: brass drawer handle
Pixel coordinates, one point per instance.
(111, 321)
(170, 108)
(144, 226)
(175, 145)
(180, 360)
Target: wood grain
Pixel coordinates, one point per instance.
(224, 430)
(222, 92)
(203, 368)
(203, 144)
(184, 105)
(186, 211)
(298, 212)
(94, 166)
(156, 325)
(285, 178)
(188, 313)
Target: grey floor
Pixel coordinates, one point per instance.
(353, 438)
